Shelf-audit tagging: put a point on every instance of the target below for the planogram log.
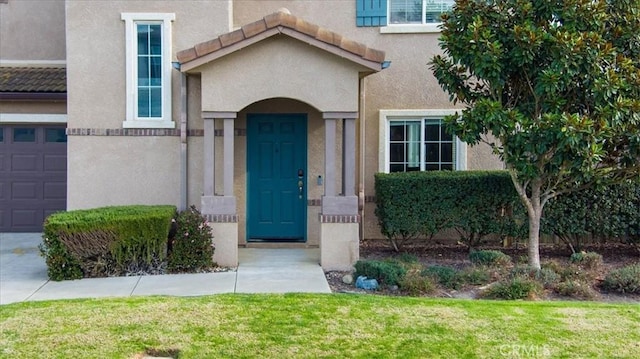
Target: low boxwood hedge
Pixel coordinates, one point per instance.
(74, 241)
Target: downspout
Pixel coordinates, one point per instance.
(183, 141)
(361, 199)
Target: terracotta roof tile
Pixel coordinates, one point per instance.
(283, 19)
(33, 79)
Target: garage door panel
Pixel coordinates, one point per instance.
(33, 175)
(24, 191)
(25, 163)
(25, 217)
(55, 163)
(55, 190)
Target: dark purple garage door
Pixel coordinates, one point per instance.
(33, 175)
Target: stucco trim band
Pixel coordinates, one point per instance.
(238, 132)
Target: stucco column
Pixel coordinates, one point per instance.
(339, 220)
(211, 203)
(330, 157)
(228, 156)
(209, 157)
(347, 202)
(349, 157)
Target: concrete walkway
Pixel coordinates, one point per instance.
(23, 275)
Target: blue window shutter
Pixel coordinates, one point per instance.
(371, 12)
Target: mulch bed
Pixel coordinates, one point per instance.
(615, 255)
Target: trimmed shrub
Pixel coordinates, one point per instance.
(489, 258)
(576, 289)
(421, 204)
(108, 239)
(588, 260)
(602, 212)
(446, 276)
(475, 276)
(191, 249)
(545, 276)
(513, 289)
(416, 284)
(623, 280)
(385, 272)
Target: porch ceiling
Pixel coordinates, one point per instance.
(281, 23)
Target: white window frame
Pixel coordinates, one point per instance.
(132, 120)
(386, 116)
(433, 27)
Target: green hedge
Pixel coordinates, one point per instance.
(421, 204)
(600, 212)
(77, 242)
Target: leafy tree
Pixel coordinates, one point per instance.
(552, 86)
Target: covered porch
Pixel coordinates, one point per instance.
(279, 105)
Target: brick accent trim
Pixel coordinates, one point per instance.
(314, 202)
(369, 199)
(143, 132)
(340, 218)
(221, 218)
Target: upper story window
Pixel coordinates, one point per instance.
(148, 67)
(402, 16)
(416, 140)
(418, 11)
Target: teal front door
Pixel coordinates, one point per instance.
(276, 177)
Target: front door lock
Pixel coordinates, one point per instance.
(300, 182)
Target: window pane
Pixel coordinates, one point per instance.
(24, 135)
(156, 102)
(143, 39)
(155, 71)
(396, 168)
(434, 8)
(143, 102)
(155, 39)
(396, 132)
(447, 152)
(143, 71)
(432, 167)
(405, 11)
(432, 151)
(446, 167)
(1, 134)
(55, 135)
(445, 136)
(396, 152)
(432, 132)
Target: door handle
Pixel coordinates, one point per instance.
(300, 182)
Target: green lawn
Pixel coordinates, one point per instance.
(298, 325)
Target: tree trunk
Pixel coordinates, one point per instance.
(535, 213)
(534, 238)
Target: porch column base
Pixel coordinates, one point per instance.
(225, 239)
(218, 205)
(340, 205)
(339, 241)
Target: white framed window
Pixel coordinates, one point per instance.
(415, 140)
(406, 16)
(148, 70)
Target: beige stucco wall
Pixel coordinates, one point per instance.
(32, 30)
(116, 170)
(113, 170)
(280, 67)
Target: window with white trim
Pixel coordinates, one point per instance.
(418, 11)
(148, 67)
(416, 140)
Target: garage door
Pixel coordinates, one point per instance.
(33, 175)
